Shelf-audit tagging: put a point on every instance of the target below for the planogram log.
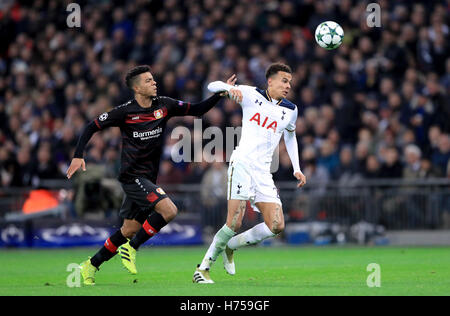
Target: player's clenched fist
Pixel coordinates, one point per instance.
(74, 166)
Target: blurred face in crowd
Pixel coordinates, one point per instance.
(23, 157)
(145, 85)
(444, 143)
(391, 156)
(425, 164)
(43, 155)
(412, 155)
(327, 149)
(279, 85)
(362, 150)
(346, 156)
(4, 154)
(372, 163)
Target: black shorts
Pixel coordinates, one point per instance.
(140, 199)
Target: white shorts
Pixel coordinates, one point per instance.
(245, 183)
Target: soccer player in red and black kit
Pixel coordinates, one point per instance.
(146, 208)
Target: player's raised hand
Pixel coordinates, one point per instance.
(301, 179)
(76, 164)
(232, 80)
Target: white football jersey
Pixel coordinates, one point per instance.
(264, 121)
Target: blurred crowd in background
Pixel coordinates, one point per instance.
(377, 107)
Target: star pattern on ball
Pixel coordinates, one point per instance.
(319, 36)
(329, 35)
(332, 31)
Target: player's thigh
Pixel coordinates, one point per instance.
(235, 214)
(167, 209)
(273, 215)
(130, 210)
(144, 195)
(240, 185)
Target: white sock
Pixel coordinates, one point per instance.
(217, 246)
(252, 236)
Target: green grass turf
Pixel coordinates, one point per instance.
(287, 271)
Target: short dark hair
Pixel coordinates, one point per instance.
(275, 68)
(133, 73)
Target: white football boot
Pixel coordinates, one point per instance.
(202, 276)
(228, 261)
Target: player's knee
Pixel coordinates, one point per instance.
(167, 209)
(277, 227)
(170, 212)
(128, 232)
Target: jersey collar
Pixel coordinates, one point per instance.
(266, 95)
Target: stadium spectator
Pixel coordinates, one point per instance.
(392, 167)
(23, 169)
(412, 169)
(346, 167)
(372, 167)
(44, 167)
(393, 84)
(213, 193)
(441, 155)
(329, 157)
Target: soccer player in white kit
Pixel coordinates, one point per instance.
(266, 116)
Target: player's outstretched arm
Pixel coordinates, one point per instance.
(78, 161)
(198, 109)
(228, 88)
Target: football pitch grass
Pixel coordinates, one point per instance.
(261, 271)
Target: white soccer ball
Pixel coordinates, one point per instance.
(329, 35)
